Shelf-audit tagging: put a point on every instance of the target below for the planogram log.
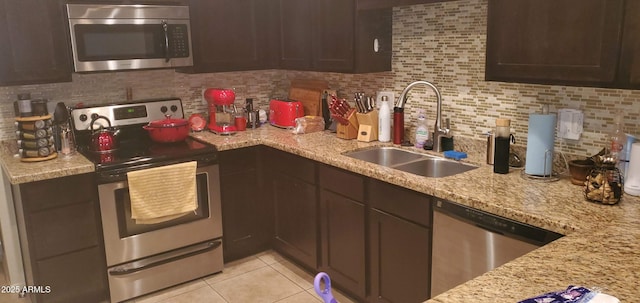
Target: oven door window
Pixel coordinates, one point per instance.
(128, 227)
(100, 42)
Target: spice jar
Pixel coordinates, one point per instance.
(604, 184)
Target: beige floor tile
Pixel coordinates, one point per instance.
(270, 257)
(236, 268)
(11, 298)
(294, 273)
(261, 285)
(340, 297)
(301, 297)
(171, 292)
(201, 295)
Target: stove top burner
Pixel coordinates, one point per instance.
(147, 153)
(136, 149)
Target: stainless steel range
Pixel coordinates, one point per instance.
(142, 258)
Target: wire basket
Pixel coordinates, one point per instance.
(604, 185)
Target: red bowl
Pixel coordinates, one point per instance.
(220, 96)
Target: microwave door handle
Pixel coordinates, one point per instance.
(165, 29)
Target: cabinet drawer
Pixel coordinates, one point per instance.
(63, 230)
(57, 192)
(290, 165)
(404, 203)
(342, 182)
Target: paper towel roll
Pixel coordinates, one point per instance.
(632, 183)
(542, 128)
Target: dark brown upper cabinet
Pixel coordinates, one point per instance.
(332, 36)
(35, 47)
(230, 35)
(629, 74)
(565, 42)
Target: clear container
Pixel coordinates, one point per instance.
(23, 105)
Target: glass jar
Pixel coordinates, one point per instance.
(604, 184)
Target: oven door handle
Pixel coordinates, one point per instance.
(143, 264)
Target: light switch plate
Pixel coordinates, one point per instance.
(391, 96)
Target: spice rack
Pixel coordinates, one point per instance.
(35, 138)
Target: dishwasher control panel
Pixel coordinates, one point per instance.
(497, 224)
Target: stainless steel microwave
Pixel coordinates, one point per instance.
(125, 37)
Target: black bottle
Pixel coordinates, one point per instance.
(502, 146)
(501, 155)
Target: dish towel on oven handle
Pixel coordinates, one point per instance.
(163, 193)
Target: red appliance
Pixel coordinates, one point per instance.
(221, 112)
(283, 113)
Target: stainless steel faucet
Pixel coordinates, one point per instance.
(438, 132)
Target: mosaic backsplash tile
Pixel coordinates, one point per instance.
(443, 43)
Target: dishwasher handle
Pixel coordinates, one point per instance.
(497, 224)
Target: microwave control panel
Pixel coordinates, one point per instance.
(178, 41)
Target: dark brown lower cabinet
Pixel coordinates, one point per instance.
(372, 238)
(342, 229)
(399, 244)
(400, 259)
(295, 202)
(247, 218)
(61, 239)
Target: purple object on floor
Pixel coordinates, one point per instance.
(325, 293)
(573, 294)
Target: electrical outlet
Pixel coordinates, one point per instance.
(391, 96)
(204, 101)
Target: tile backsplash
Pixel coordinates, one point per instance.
(443, 43)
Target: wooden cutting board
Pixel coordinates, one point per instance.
(310, 100)
(309, 93)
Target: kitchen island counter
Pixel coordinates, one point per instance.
(600, 249)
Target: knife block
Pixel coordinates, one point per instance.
(349, 131)
(368, 129)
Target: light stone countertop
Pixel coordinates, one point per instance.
(601, 249)
(18, 172)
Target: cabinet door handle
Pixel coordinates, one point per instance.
(165, 29)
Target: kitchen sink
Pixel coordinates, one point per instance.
(385, 156)
(411, 162)
(434, 167)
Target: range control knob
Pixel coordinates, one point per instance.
(94, 116)
(83, 117)
(163, 109)
(174, 108)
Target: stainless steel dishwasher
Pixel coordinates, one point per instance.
(468, 242)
